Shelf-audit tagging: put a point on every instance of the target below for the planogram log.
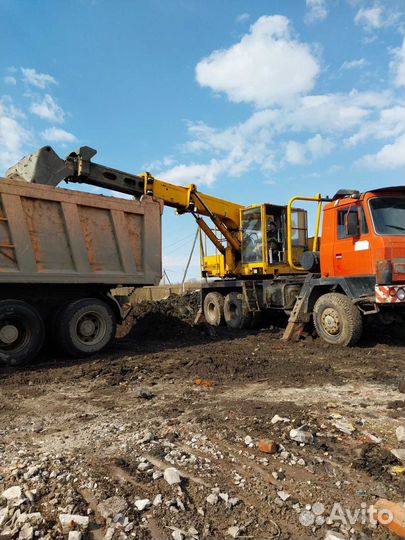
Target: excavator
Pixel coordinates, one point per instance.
(263, 259)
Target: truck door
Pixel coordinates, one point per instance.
(352, 255)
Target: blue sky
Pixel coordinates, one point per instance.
(254, 101)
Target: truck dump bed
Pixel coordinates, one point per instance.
(54, 235)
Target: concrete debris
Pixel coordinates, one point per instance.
(156, 475)
(75, 535)
(400, 433)
(301, 436)
(157, 500)
(26, 532)
(3, 515)
(332, 535)
(172, 476)
(344, 426)
(112, 506)
(233, 531)
(142, 504)
(283, 495)
(212, 498)
(276, 419)
(12, 493)
(399, 453)
(144, 466)
(177, 535)
(70, 521)
(248, 440)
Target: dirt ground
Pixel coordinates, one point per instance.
(74, 433)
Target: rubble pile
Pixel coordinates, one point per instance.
(164, 319)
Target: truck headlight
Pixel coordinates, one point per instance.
(401, 294)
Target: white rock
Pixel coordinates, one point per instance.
(283, 495)
(248, 440)
(233, 531)
(212, 498)
(157, 500)
(400, 433)
(224, 496)
(172, 476)
(12, 493)
(233, 501)
(301, 436)
(112, 506)
(75, 535)
(142, 504)
(157, 474)
(3, 515)
(67, 521)
(276, 418)
(177, 535)
(143, 466)
(332, 535)
(344, 426)
(26, 532)
(109, 533)
(399, 453)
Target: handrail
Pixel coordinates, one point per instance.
(317, 199)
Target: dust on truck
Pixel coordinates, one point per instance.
(61, 253)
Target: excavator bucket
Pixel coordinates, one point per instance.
(42, 167)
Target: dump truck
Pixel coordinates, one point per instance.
(61, 254)
(263, 259)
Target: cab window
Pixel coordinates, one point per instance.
(342, 221)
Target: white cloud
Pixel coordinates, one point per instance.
(317, 10)
(267, 66)
(354, 64)
(242, 17)
(371, 18)
(54, 134)
(295, 153)
(39, 80)
(323, 119)
(389, 123)
(9, 79)
(13, 136)
(376, 17)
(314, 148)
(48, 109)
(194, 173)
(391, 156)
(397, 65)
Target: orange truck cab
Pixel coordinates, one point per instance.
(360, 268)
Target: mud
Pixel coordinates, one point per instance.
(86, 420)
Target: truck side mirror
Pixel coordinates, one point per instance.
(352, 223)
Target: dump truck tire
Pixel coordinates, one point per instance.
(236, 312)
(22, 332)
(214, 308)
(337, 320)
(85, 327)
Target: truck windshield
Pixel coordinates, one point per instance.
(388, 215)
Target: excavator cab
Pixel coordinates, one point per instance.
(264, 234)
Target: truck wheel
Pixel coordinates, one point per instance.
(85, 327)
(337, 320)
(214, 308)
(22, 332)
(236, 312)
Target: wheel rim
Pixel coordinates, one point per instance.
(211, 309)
(91, 328)
(13, 334)
(331, 322)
